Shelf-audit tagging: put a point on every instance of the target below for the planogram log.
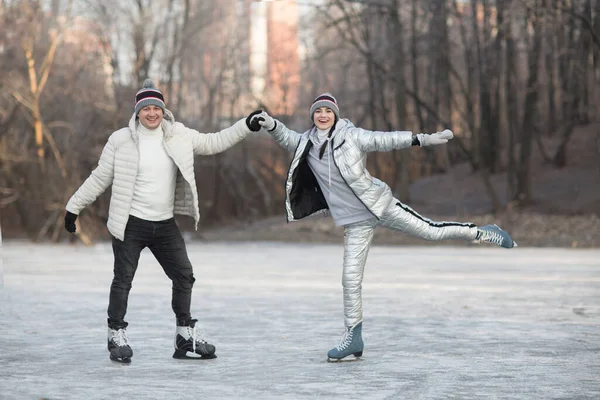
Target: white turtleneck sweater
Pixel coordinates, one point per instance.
(344, 206)
(154, 190)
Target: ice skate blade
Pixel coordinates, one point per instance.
(124, 360)
(182, 355)
(345, 359)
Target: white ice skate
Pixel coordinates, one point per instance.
(118, 346)
(189, 339)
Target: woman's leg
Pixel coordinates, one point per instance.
(357, 241)
(402, 218)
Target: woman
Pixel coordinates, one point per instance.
(328, 175)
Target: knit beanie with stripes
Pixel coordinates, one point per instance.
(149, 95)
(325, 100)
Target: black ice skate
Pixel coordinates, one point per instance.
(118, 346)
(189, 339)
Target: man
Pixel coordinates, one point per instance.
(150, 165)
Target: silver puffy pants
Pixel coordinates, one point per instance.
(358, 238)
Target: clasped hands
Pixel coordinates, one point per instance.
(260, 119)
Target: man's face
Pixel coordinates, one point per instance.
(151, 116)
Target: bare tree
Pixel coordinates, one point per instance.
(528, 127)
(511, 102)
(401, 159)
(38, 74)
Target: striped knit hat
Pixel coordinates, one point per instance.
(148, 95)
(325, 100)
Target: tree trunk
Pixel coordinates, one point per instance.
(487, 136)
(373, 110)
(560, 157)
(567, 74)
(596, 56)
(402, 177)
(498, 73)
(415, 68)
(585, 76)
(446, 89)
(523, 194)
(469, 90)
(550, 69)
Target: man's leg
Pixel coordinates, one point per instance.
(402, 218)
(127, 255)
(169, 249)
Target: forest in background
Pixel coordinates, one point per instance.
(504, 75)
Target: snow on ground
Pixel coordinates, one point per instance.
(439, 323)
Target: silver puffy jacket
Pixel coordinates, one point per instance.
(349, 146)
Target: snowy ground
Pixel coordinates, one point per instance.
(440, 323)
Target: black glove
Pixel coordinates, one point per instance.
(70, 221)
(252, 121)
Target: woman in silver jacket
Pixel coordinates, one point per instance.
(328, 176)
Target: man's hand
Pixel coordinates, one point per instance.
(266, 121)
(434, 138)
(253, 120)
(70, 221)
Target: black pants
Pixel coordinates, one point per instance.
(164, 240)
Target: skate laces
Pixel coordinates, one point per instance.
(494, 237)
(196, 336)
(119, 337)
(346, 339)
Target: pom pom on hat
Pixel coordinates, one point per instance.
(148, 84)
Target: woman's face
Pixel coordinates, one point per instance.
(324, 118)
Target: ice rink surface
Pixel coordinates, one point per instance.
(439, 323)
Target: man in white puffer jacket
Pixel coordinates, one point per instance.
(150, 168)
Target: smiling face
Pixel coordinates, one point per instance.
(151, 117)
(324, 118)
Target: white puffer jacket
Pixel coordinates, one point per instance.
(118, 166)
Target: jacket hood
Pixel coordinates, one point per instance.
(341, 124)
(344, 123)
(167, 124)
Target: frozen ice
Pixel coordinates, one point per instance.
(1, 262)
(439, 322)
